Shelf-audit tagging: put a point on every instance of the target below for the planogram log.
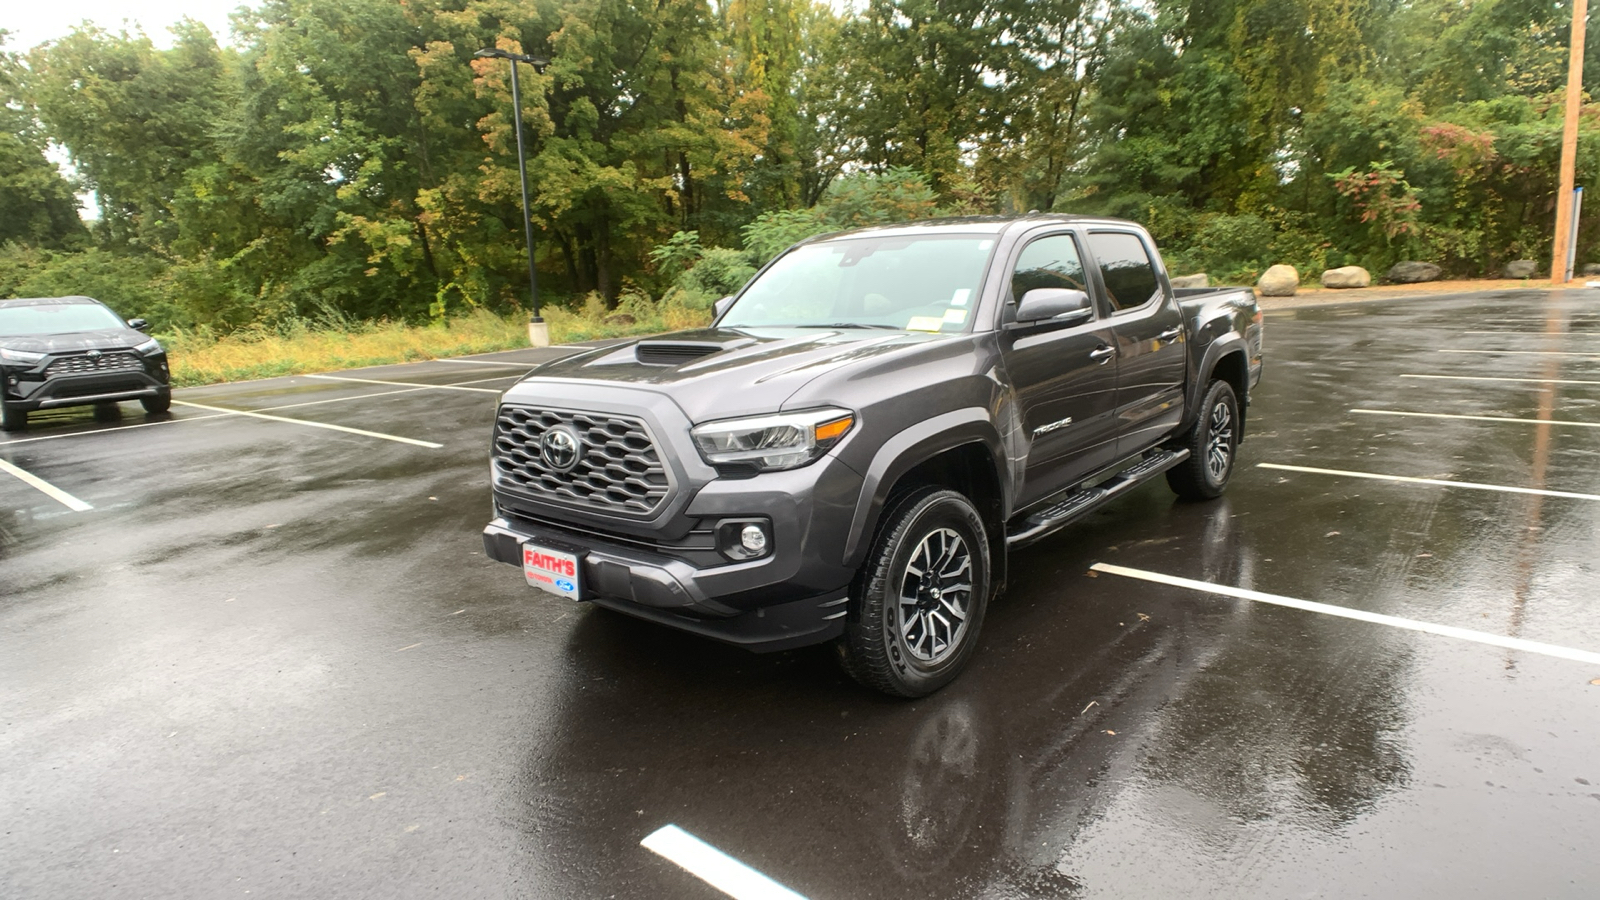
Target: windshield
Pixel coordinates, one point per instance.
(915, 283)
(61, 318)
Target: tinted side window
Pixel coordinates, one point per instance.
(1125, 266)
(1049, 262)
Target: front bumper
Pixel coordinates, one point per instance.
(674, 593)
(26, 389)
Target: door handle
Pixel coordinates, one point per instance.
(1103, 355)
(1170, 334)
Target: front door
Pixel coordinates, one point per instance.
(1065, 377)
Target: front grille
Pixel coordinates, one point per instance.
(618, 470)
(83, 364)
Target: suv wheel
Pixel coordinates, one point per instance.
(1213, 443)
(157, 404)
(12, 419)
(920, 597)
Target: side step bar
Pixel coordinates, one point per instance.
(1077, 504)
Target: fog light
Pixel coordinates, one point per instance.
(753, 539)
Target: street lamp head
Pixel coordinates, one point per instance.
(538, 62)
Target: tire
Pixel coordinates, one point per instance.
(1213, 445)
(881, 649)
(157, 404)
(12, 419)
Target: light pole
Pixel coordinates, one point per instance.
(538, 331)
(1566, 220)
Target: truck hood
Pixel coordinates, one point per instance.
(104, 339)
(717, 373)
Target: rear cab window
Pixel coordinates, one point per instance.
(1125, 269)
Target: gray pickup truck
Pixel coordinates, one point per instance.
(849, 450)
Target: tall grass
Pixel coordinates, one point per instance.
(302, 346)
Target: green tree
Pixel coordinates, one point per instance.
(37, 205)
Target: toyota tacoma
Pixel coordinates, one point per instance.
(849, 450)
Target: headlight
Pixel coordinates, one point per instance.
(149, 347)
(20, 356)
(769, 443)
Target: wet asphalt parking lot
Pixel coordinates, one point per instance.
(245, 654)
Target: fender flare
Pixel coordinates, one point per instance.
(908, 449)
(1222, 346)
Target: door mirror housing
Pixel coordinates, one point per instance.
(1057, 305)
(139, 325)
(721, 306)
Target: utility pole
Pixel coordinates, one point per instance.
(1559, 271)
(538, 330)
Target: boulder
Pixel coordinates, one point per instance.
(1411, 272)
(1199, 279)
(1279, 281)
(1346, 277)
(620, 319)
(1520, 268)
(1591, 268)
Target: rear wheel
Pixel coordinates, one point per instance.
(1213, 443)
(920, 598)
(157, 404)
(13, 419)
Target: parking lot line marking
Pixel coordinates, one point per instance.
(1429, 415)
(1440, 482)
(45, 487)
(339, 399)
(418, 385)
(1344, 612)
(57, 437)
(1541, 333)
(255, 415)
(714, 867)
(487, 380)
(1592, 354)
(1492, 378)
(485, 362)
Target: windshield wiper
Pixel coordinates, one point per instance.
(850, 325)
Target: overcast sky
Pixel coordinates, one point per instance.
(35, 21)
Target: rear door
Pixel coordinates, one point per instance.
(1147, 328)
(1064, 376)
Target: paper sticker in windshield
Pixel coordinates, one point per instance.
(961, 297)
(924, 323)
(955, 316)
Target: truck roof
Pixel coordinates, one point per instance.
(971, 225)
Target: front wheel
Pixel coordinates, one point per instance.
(921, 596)
(157, 404)
(1213, 443)
(13, 419)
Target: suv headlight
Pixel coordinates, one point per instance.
(149, 347)
(20, 356)
(770, 443)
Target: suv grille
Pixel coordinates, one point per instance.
(618, 468)
(83, 363)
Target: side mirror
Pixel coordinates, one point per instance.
(721, 306)
(138, 325)
(1062, 305)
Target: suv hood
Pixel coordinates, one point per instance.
(719, 373)
(77, 341)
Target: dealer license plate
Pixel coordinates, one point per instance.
(558, 571)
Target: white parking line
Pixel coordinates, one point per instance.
(414, 384)
(1465, 634)
(1492, 378)
(714, 867)
(255, 415)
(57, 437)
(1590, 354)
(1589, 334)
(1428, 415)
(45, 487)
(1440, 482)
(485, 362)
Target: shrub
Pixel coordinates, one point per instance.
(719, 272)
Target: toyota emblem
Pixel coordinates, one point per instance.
(559, 448)
(93, 354)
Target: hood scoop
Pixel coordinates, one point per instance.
(676, 353)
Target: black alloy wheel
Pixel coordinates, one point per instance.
(1213, 444)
